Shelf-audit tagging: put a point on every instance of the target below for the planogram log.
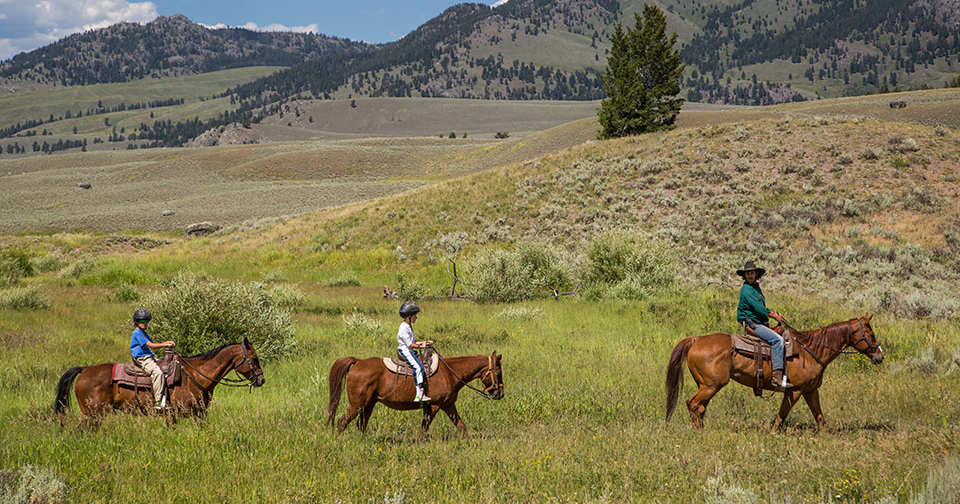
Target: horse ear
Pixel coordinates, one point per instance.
(867, 317)
(246, 342)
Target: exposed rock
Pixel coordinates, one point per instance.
(167, 213)
(201, 229)
(234, 134)
(83, 186)
(898, 104)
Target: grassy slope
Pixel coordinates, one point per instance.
(602, 409)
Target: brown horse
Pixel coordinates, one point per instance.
(369, 382)
(713, 362)
(97, 394)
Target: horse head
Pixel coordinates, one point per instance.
(864, 340)
(492, 377)
(250, 367)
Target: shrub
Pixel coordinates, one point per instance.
(516, 313)
(24, 298)
(628, 266)
(347, 278)
(655, 166)
(870, 154)
(358, 325)
(49, 262)
(40, 486)
(943, 483)
(125, 292)
(407, 290)
(497, 276)
(200, 315)
(288, 296)
(21, 258)
(10, 272)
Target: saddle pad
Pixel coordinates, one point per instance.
(748, 344)
(395, 365)
(129, 374)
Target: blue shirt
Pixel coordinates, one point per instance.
(138, 344)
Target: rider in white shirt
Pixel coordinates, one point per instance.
(407, 346)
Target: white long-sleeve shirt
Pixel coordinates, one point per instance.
(405, 336)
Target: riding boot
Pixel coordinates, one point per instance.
(779, 380)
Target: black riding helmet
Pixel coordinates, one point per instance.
(142, 314)
(409, 308)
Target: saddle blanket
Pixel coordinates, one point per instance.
(748, 344)
(395, 365)
(129, 374)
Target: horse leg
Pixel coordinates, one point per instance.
(697, 404)
(365, 414)
(348, 416)
(454, 415)
(789, 399)
(429, 411)
(813, 401)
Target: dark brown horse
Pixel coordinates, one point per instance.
(368, 382)
(713, 363)
(97, 394)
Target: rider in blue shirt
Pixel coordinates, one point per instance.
(141, 349)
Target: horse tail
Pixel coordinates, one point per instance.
(62, 402)
(338, 373)
(675, 373)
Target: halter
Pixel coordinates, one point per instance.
(863, 337)
(487, 392)
(227, 382)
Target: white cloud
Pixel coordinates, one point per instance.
(27, 25)
(276, 27)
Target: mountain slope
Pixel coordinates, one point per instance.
(168, 46)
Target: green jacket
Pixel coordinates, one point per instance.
(752, 305)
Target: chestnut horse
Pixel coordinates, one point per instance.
(713, 362)
(369, 382)
(96, 394)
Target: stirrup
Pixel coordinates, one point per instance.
(783, 385)
(421, 398)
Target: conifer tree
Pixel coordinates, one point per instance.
(642, 79)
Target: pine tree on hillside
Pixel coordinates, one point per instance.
(642, 79)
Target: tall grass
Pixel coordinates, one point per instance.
(582, 420)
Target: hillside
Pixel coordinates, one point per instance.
(166, 47)
(850, 196)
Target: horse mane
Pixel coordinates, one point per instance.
(209, 354)
(824, 338)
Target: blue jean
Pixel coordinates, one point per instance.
(418, 371)
(775, 340)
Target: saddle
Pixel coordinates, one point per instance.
(430, 361)
(129, 374)
(750, 345)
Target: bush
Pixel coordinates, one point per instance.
(24, 298)
(10, 272)
(124, 292)
(200, 315)
(358, 325)
(41, 486)
(49, 262)
(497, 276)
(628, 266)
(20, 258)
(347, 278)
(407, 290)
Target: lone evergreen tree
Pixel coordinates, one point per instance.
(642, 79)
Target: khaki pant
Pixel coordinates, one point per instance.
(149, 364)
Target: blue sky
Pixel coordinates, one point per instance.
(26, 25)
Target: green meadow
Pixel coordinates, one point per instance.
(850, 209)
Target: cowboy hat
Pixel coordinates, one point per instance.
(751, 267)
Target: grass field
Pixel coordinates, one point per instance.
(851, 209)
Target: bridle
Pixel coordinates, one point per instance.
(245, 381)
(489, 391)
(863, 337)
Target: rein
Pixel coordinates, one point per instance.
(227, 382)
(485, 393)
